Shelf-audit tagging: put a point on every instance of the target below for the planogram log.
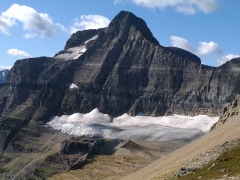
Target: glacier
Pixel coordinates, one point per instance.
(176, 128)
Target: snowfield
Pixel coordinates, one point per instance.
(176, 128)
(72, 53)
(75, 52)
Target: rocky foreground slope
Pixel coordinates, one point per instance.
(195, 155)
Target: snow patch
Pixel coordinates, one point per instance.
(79, 53)
(91, 39)
(72, 86)
(175, 128)
(74, 52)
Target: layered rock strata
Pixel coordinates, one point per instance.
(118, 69)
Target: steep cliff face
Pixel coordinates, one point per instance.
(210, 91)
(118, 69)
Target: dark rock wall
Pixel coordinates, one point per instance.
(124, 70)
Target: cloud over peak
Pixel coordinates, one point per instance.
(89, 22)
(5, 67)
(19, 53)
(33, 22)
(183, 6)
(207, 48)
(204, 48)
(226, 58)
(41, 24)
(182, 43)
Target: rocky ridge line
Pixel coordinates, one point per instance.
(230, 110)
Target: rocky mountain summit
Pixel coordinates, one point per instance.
(3, 74)
(118, 69)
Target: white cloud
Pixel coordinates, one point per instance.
(30, 35)
(207, 48)
(5, 67)
(186, 9)
(117, 1)
(89, 22)
(182, 43)
(62, 28)
(33, 22)
(204, 49)
(183, 6)
(5, 24)
(227, 58)
(206, 6)
(120, 1)
(19, 53)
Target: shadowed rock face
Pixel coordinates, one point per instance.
(118, 69)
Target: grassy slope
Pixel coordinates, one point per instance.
(128, 157)
(29, 152)
(105, 167)
(228, 164)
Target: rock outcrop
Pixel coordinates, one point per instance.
(230, 110)
(84, 149)
(118, 69)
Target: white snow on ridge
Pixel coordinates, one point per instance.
(79, 53)
(75, 52)
(72, 53)
(171, 128)
(91, 39)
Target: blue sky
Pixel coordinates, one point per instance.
(208, 28)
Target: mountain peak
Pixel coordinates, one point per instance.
(124, 15)
(124, 20)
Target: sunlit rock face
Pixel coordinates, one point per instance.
(119, 69)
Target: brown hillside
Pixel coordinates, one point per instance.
(171, 163)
